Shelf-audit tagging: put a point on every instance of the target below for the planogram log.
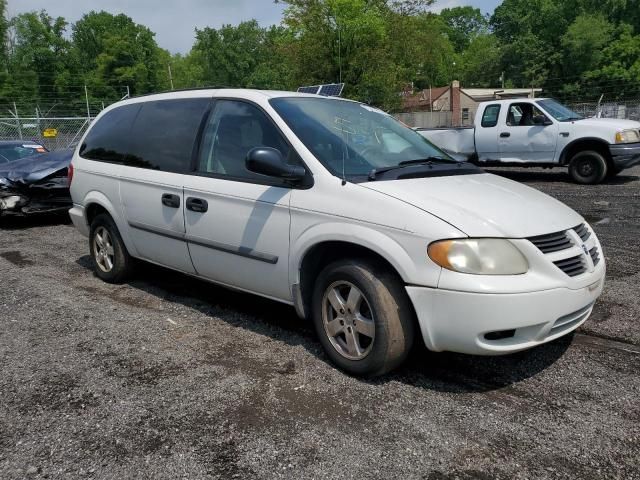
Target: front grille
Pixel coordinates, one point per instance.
(571, 266)
(551, 242)
(582, 231)
(595, 256)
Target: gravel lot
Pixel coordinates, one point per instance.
(168, 377)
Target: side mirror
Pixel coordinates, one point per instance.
(541, 120)
(268, 161)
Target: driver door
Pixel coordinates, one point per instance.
(521, 140)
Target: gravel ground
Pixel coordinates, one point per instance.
(168, 377)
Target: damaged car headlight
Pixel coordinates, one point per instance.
(11, 202)
(480, 256)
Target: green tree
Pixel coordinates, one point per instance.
(465, 24)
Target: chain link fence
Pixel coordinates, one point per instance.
(55, 133)
(626, 109)
(440, 119)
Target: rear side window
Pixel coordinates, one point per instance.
(490, 116)
(107, 139)
(164, 134)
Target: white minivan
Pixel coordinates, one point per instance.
(334, 207)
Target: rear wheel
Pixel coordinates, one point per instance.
(363, 317)
(111, 261)
(588, 167)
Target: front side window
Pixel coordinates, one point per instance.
(522, 114)
(559, 111)
(351, 138)
(234, 128)
(490, 116)
(164, 134)
(108, 139)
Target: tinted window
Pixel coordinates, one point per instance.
(233, 129)
(164, 134)
(108, 139)
(490, 116)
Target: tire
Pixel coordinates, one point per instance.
(372, 336)
(588, 167)
(111, 261)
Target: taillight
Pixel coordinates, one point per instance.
(70, 174)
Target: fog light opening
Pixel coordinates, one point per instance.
(499, 334)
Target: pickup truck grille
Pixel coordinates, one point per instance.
(569, 239)
(552, 242)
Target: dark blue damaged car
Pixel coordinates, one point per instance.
(35, 184)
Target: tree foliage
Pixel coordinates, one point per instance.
(576, 49)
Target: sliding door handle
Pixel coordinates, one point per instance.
(170, 200)
(197, 205)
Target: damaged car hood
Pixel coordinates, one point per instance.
(34, 169)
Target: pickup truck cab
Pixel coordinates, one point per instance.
(337, 209)
(543, 132)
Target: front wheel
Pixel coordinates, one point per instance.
(363, 317)
(588, 167)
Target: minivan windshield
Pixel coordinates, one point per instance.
(353, 139)
(559, 111)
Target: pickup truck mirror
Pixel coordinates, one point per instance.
(269, 161)
(541, 120)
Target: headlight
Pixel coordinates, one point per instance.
(628, 136)
(481, 256)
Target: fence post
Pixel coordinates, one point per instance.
(15, 114)
(86, 97)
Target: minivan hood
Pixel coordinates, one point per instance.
(483, 205)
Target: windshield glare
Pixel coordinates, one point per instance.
(363, 136)
(559, 111)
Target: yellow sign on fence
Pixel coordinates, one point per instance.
(50, 133)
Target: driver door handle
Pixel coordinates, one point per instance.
(170, 200)
(505, 134)
(199, 205)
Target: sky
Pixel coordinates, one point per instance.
(174, 21)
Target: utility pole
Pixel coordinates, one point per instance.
(502, 79)
(86, 97)
(170, 77)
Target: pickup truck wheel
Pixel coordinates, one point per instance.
(363, 317)
(112, 263)
(588, 167)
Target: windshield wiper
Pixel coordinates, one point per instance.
(408, 163)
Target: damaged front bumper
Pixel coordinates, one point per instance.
(51, 196)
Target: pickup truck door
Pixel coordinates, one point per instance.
(526, 134)
(237, 222)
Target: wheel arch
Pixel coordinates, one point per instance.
(95, 203)
(590, 143)
(359, 242)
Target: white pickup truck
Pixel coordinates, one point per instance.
(543, 133)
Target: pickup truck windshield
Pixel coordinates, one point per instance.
(559, 111)
(353, 139)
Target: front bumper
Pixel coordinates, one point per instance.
(458, 321)
(625, 155)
